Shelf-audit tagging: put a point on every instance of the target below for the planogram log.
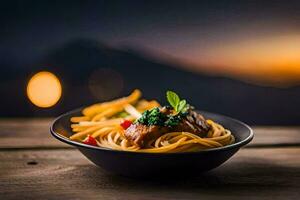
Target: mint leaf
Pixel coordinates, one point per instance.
(181, 105)
(173, 99)
(186, 108)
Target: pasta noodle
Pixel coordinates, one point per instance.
(102, 122)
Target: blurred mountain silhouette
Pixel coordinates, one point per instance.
(91, 71)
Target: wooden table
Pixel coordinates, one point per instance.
(36, 166)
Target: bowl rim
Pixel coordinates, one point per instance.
(66, 140)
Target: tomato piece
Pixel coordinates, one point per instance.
(125, 124)
(90, 141)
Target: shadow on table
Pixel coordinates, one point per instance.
(256, 175)
(233, 180)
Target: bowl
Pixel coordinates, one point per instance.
(137, 164)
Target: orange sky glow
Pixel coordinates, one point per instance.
(269, 60)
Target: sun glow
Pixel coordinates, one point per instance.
(273, 59)
(44, 89)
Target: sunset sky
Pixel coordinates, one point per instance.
(251, 40)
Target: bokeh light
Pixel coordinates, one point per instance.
(44, 89)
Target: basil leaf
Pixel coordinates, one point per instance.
(181, 105)
(173, 99)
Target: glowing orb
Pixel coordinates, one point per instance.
(44, 89)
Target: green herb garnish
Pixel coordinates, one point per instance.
(173, 120)
(177, 104)
(152, 117)
(155, 117)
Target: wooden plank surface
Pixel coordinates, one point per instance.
(254, 173)
(275, 136)
(28, 133)
(34, 165)
(34, 133)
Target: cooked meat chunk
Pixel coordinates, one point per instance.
(198, 122)
(140, 134)
(193, 122)
(186, 126)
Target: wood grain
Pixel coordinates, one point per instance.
(66, 174)
(36, 166)
(34, 133)
(279, 136)
(28, 133)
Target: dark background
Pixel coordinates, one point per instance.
(116, 46)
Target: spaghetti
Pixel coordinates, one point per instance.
(102, 122)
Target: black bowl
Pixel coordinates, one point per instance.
(136, 164)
